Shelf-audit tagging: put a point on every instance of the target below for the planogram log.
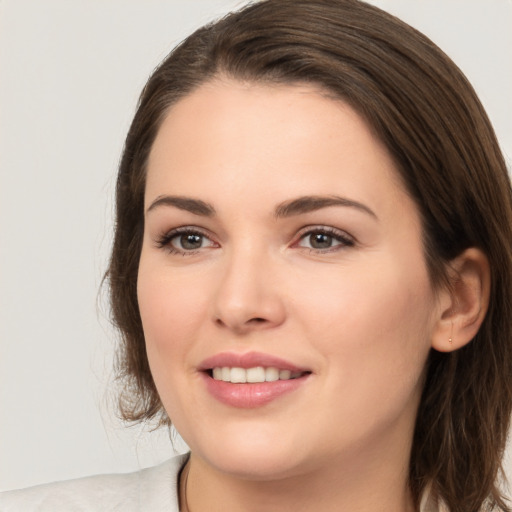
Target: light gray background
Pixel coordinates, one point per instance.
(70, 75)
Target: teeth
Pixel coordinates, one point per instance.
(252, 375)
(285, 374)
(238, 375)
(271, 374)
(225, 374)
(256, 374)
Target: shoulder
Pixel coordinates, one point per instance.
(152, 489)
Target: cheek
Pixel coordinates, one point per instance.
(170, 311)
(373, 327)
(169, 306)
(387, 299)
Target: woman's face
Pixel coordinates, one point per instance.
(280, 244)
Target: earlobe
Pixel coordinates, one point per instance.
(463, 305)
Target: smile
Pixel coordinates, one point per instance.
(237, 375)
(252, 379)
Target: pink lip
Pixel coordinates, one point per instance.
(249, 395)
(247, 360)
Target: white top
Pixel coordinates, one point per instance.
(149, 490)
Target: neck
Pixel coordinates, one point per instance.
(355, 484)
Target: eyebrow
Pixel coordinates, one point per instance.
(289, 208)
(308, 204)
(189, 204)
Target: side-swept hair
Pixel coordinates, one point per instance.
(428, 116)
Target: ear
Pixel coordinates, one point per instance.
(463, 304)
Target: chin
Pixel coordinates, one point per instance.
(252, 459)
(256, 467)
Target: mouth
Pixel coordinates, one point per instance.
(251, 380)
(254, 375)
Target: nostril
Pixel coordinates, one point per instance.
(240, 324)
(256, 321)
(218, 321)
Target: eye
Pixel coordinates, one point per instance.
(185, 240)
(188, 242)
(323, 239)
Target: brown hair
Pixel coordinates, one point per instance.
(426, 113)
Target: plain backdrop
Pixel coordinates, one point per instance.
(70, 75)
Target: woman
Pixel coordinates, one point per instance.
(311, 271)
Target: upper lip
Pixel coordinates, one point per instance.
(247, 360)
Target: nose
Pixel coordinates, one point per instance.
(248, 296)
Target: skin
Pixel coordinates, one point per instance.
(361, 315)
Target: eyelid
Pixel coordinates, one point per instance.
(163, 241)
(340, 235)
(345, 240)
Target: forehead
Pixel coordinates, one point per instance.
(269, 139)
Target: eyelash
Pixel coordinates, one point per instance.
(345, 240)
(164, 241)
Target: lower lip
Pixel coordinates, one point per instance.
(249, 396)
